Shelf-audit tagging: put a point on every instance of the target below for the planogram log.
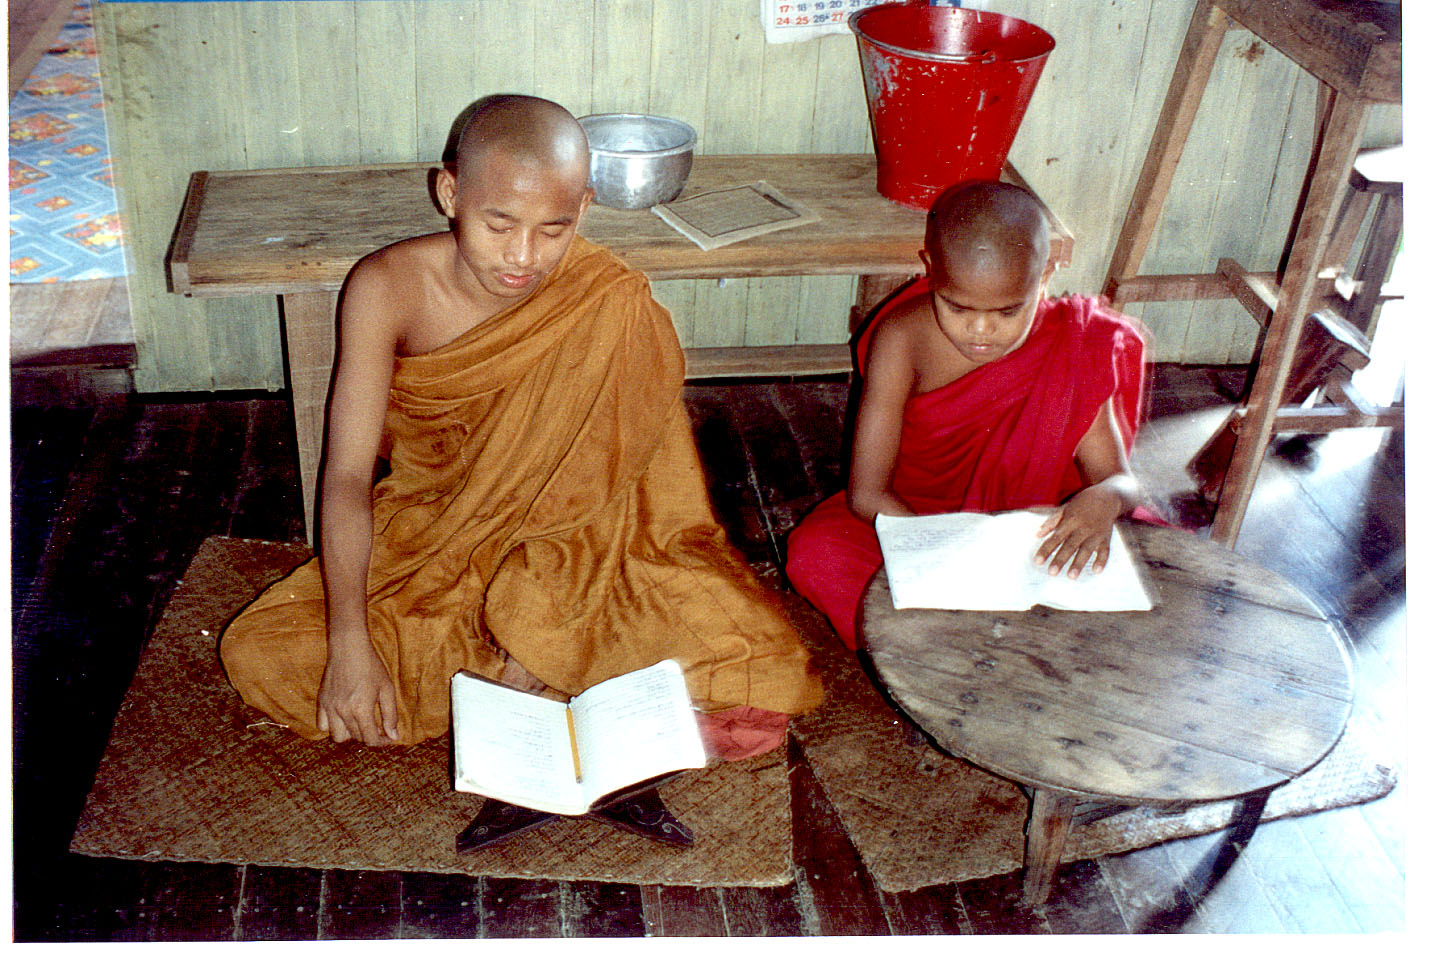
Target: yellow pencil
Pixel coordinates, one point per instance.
(574, 746)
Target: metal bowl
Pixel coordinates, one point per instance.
(638, 160)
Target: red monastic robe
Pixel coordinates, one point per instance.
(1001, 437)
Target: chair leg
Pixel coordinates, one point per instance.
(1324, 190)
(1187, 86)
(1380, 246)
(1316, 355)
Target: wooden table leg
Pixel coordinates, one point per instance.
(1247, 819)
(869, 291)
(309, 355)
(1045, 835)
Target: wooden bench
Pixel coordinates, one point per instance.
(295, 233)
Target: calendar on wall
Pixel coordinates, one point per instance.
(787, 21)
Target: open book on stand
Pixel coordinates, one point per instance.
(985, 561)
(563, 757)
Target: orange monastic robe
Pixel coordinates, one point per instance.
(544, 500)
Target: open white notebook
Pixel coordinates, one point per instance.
(985, 561)
(563, 757)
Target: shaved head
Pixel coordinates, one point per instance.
(529, 130)
(988, 227)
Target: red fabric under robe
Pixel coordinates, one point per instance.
(1002, 437)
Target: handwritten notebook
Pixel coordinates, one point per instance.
(980, 561)
(563, 757)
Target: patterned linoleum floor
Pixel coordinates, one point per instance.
(64, 225)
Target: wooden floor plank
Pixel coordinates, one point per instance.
(728, 474)
(31, 307)
(198, 500)
(280, 903)
(33, 27)
(684, 911)
(793, 438)
(1387, 818)
(360, 905)
(1296, 883)
(521, 908)
(602, 910)
(817, 413)
(1081, 901)
(79, 899)
(762, 912)
(439, 906)
(1365, 878)
(46, 447)
(995, 906)
(1148, 891)
(931, 911)
(193, 901)
(838, 898)
(1227, 896)
(73, 654)
(76, 319)
(267, 503)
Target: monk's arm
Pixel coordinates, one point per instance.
(1081, 527)
(356, 686)
(889, 376)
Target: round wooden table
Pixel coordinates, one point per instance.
(1233, 684)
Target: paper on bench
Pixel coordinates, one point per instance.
(731, 214)
(979, 561)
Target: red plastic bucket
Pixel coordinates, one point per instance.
(947, 88)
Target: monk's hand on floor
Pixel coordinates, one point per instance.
(356, 697)
(1078, 530)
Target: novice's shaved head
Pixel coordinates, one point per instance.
(530, 130)
(988, 227)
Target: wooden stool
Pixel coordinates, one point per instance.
(1353, 49)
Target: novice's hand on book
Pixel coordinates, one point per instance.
(353, 691)
(1078, 530)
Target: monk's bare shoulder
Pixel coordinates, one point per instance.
(913, 332)
(393, 290)
(402, 270)
(901, 332)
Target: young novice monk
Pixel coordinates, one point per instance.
(544, 520)
(981, 394)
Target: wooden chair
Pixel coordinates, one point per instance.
(1353, 49)
(1376, 191)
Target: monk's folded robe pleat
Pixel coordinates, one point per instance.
(545, 500)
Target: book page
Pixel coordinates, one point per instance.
(634, 727)
(977, 561)
(513, 746)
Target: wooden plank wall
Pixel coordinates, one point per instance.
(264, 84)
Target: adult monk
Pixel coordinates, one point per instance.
(544, 520)
(981, 394)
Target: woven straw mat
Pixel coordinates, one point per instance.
(192, 774)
